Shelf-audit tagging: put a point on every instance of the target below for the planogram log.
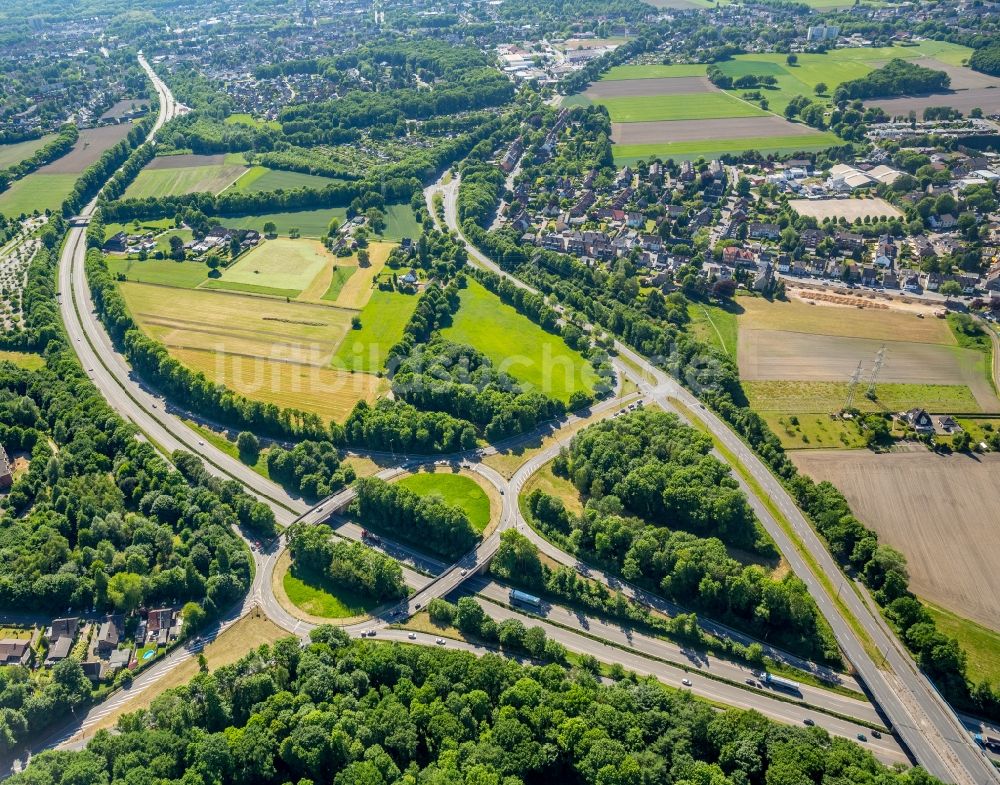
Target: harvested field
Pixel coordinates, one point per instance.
(123, 107)
(693, 130)
(986, 98)
(238, 324)
(88, 148)
(620, 72)
(177, 180)
(185, 161)
(797, 316)
(280, 263)
(623, 88)
(782, 355)
(937, 510)
(962, 78)
(845, 208)
(357, 290)
(325, 391)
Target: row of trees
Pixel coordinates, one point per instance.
(364, 713)
(351, 565)
(479, 193)
(50, 151)
(98, 173)
(428, 521)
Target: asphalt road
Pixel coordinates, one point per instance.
(128, 396)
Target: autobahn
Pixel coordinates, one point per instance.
(126, 393)
(922, 718)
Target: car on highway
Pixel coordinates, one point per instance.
(686, 682)
(808, 721)
(371, 633)
(464, 572)
(440, 641)
(862, 737)
(751, 682)
(412, 636)
(876, 734)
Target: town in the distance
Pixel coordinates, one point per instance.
(500, 392)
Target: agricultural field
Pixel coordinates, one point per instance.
(37, 191)
(184, 275)
(458, 490)
(357, 288)
(796, 359)
(673, 111)
(515, 344)
(11, 154)
(310, 223)
(88, 148)
(842, 65)
(174, 175)
(937, 510)
(382, 322)
(849, 209)
(260, 178)
(264, 348)
(981, 644)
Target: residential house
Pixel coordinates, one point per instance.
(919, 420)
(161, 626)
(117, 243)
(109, 635)
(922, 247)
(763, 231)
(812, 237)
(943, 223)
(764, 277)
(15, 651)
(890, 280)
(911, 283)
(6, 473)
(59, 650)
(738, 257)
(848, 241)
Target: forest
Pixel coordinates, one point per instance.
(365, 713)
(897, 77)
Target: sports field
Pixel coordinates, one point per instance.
(281, 264)
(849, 209)
(184, 174)
(11, 154)
(458, 490)
(713, 148)
(515, 344)
(382, 322)
(940, 511)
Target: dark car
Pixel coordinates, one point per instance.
(809, 722)
(876, 734)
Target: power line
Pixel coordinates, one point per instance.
(879, 361)
(853, 386)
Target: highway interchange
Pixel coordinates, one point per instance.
(923, 722)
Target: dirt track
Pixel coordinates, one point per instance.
(629, 88)
(986, 98)
(941, 512)
(847, 208)
(693, 130)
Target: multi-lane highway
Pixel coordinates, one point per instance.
(719, 680)
(924, 721)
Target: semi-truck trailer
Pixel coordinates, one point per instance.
(780, 683)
